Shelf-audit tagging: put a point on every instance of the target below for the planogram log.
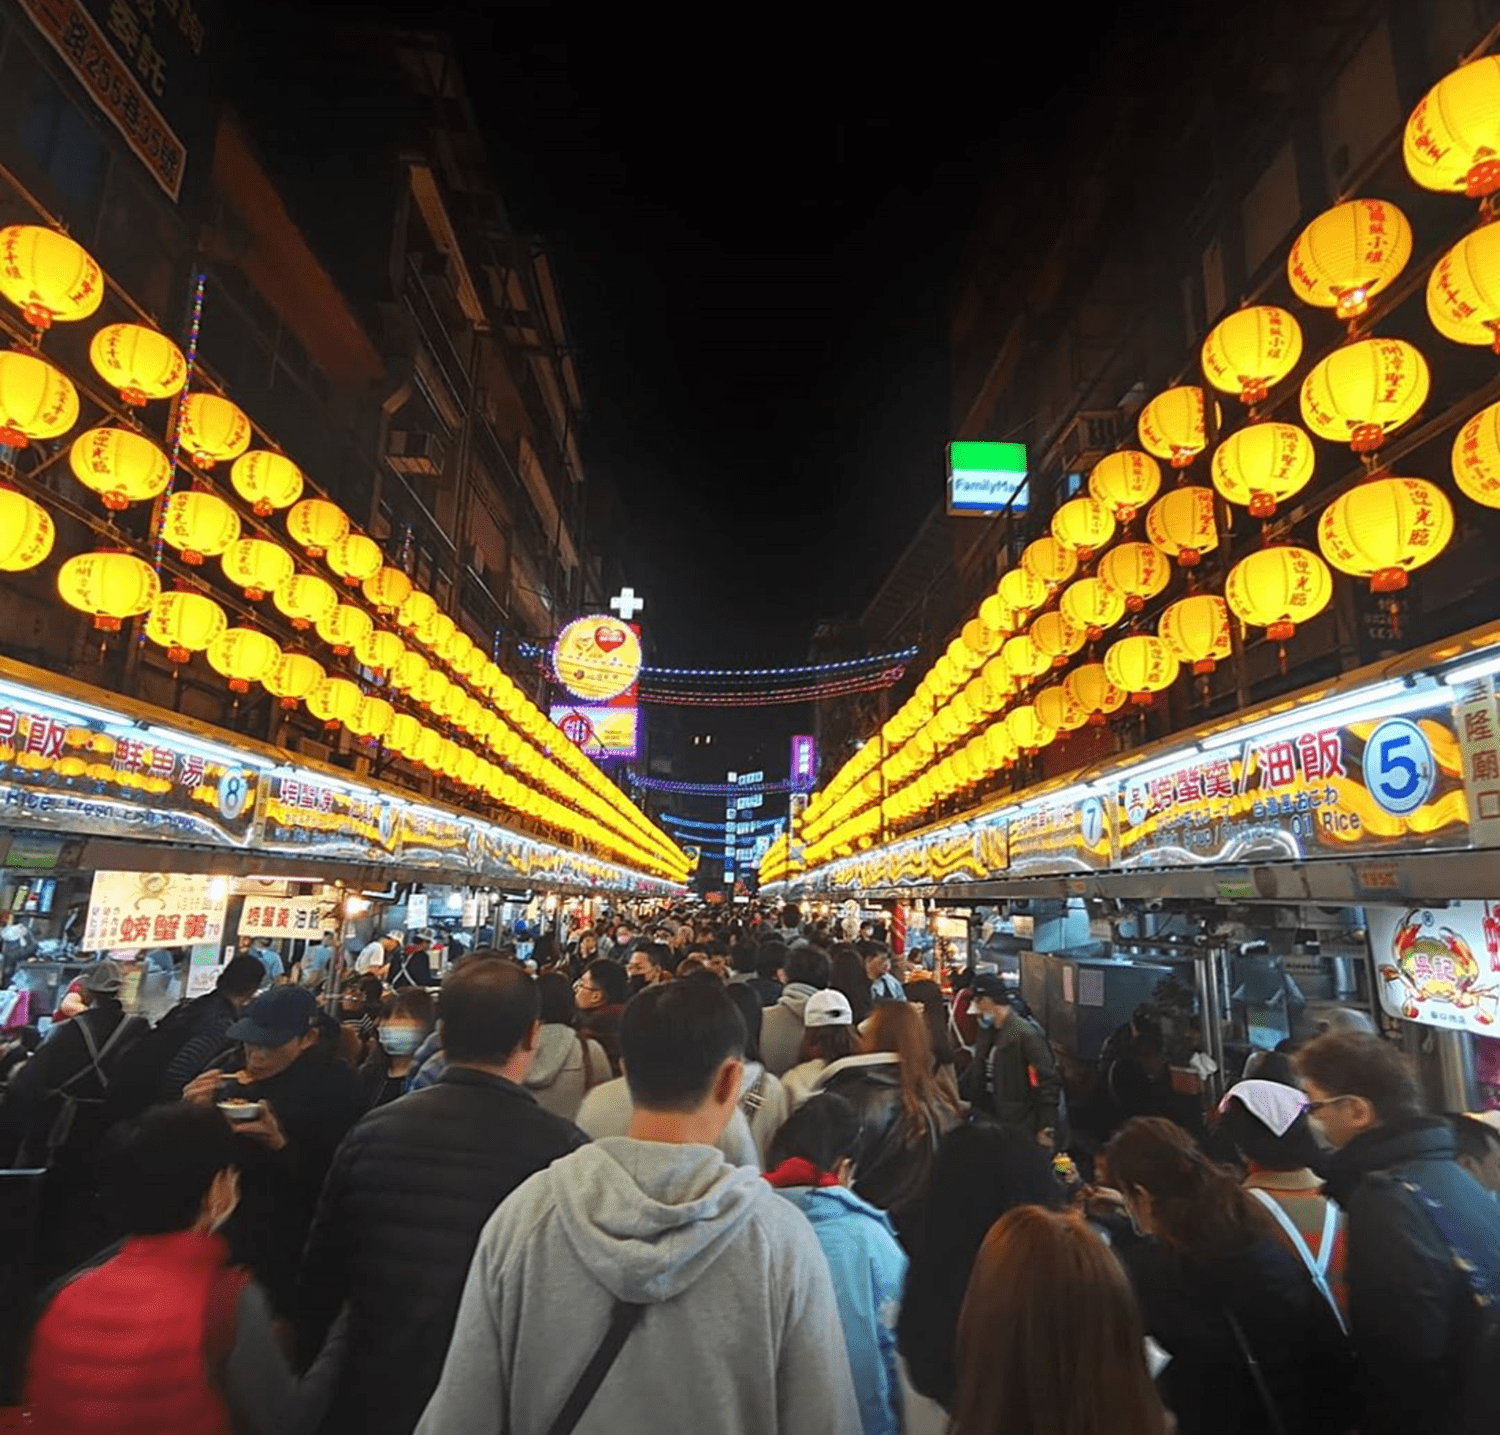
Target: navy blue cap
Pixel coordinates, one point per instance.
(276, 1017)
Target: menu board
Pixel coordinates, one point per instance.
(135, 910)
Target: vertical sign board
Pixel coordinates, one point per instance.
(1478, 727)
(804, 762)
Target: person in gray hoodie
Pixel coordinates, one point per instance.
(694, 1295)
(806, 972)
(568, 1063)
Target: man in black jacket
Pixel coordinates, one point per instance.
(1413, 1212)
(207, 1021)
(410, 1192)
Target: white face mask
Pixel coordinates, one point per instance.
(400, 1040)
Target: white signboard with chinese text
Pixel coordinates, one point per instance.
(277, 917)
(136, 910)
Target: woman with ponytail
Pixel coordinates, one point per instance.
(1255, 1349)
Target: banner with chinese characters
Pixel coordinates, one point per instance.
(1439, 967)
(1061, 834)
(277, 917)
(437, 839)
(133, 910)
(305, 814)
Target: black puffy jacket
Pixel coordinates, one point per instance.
(407, 1196)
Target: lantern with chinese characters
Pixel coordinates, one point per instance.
(267, 481)
(334, 701)
(1022, 593)
(1027, 730)
(1137, 571)
(1172, 427)
(1024, 659)
(963, 658)
(317, 525)
(47, 276)
(1050, 561)
(416, 612)
(306, 598)
(433, 693)
(387, 590)
(141, 363)
(1463, 290)
(371, 719)
(1057, 636)
(1142, 665)
(212, 430)
(1251, 350)
(1383, 529)
(292, 677)
(1263, 465)
(1181, 524)
(410, 672)
(1084, 525)
(199, 525)
(344, 627)
(980, 639)
(1126, 482)
(184, 624)
(430, 750)
(1058, 709)
(354, 558)
(1093, 605)
(379, 652)
(1089, 686)
(439, 634)
(404, 732)
(995, 613)
(109, 586)
(464, 764)
(1476, 457)
(1364, 391)
(1452, 140)
(1196, 629)
(1277, 588)
(120, 465)
(243, 656)
(257, 566)
(1348, 254)
(36, 401)
(27, 532)
(1001, 746)
(998, 679)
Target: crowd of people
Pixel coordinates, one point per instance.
(722, 1174)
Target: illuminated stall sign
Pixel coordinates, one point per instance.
(1439, 967)
(600, 730)
(431, 838)
(304, 813)
(135, 910)
(277, 917)
(1061, 833)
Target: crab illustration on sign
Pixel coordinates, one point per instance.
(1433, 967)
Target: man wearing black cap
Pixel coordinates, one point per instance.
(1013, 1076)
(304, 1100)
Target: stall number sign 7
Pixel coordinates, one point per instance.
(1400, 771)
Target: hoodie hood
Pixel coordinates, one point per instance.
(648, 1218)
(1404, 1143)
(795, 996)
(555, 1044)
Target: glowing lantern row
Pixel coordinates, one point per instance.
(1263, 465)
(1027, 730)
(212, 429)
(999, 681)
(266, 481)
(1024, 659)
(1022, 593)
(1348, 254)
(1452, 140)
(416, 611)
(344, 626)
(257, 566)
(1084, 525)
(108, 586)
(372, 719)
(1383, 529)
(292, 678)
(199, 525)
(305, 598)
(27, 532)
(1277, 588)
(1142, 666)
(1056, 709)
(1171, 426)
(978, 637)
(47, 276)
(120, 465)
(1126, 482)
(243, 656)
(387, 589)
(1251, 350)
(1196, 629)
(184, 624)
(334, 701)
(380, 652)
(1096, 696)
(354, 558)
(1057, 637)
(1137, 571)
(36, 401)
(439, 633)
(141, 363)
(995, 613)
(1363, 391)
(1093, 605)
(1476, 457)
(1463, 290)
(410, 672)
(1181, 524)
(1050, 561)
(317, 525)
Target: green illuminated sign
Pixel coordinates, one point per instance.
(986, 477)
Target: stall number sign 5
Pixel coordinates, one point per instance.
(1399, 768)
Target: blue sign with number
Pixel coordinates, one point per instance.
(1400, 770)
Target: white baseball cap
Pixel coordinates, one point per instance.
(827, 1008)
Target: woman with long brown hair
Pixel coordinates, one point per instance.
(1050, 1341)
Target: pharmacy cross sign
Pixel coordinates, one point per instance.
(626, 604)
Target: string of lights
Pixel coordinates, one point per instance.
(670, 820)
(705, 789)
(806, 671)
(847, 688)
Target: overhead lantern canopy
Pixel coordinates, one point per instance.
(184, 624)
(1251, 350)
(1022, 593)
(1348, 254)
(354, 558)
(1365, 390)
(1093, 605)
(1050, 561)
(109, 586)
(257, 566)
(1452, 140)
(306, 598)
(334, 701)
(344, 627)
(1196, 629)
(1084, 525)
(266, 481)
(1024, 659)
(1090, 687)
(1137, 571)
(1383, 529)
(292, 678)
(1181, 524)
(1029, 733)
(1172, 427)
(1463, 290)
(212, 429)
(387, 590)
(140, 363)
(1142, 665)
(27, 532)
(1476, 457)
(1127, 481)
(317, 525)
(1058, 709)
(199, 525)
(1278, 588)
(243, 656)
(36, 401)
(120, 465)
(1262, 465)
(47, 276)
(1058, 636)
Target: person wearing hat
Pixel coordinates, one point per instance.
(827, 1036)
(304, 1100)
(375, 957)
(1013, 1076)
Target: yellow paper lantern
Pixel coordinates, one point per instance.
(354, 558)
(306, 598)
(141, 363)
(257, 566)
(1084, 525)
(120, 465)
(1452, 140)
(1093, 605)
(387, 590)
(1171, 426)
(1383, 529)
(109, 586)
(1463, 290)
(243, 656)
(36, 400)
(1002, 749)
(267, 481)
(199, 525)
(1476, 457)
(1142, 665)
(980, 638)
(1058, 636)
(1022, 593)
(380, 652)
(372, 718)
(1024, 659)
(995, 613)
(1250, 350)
(292, 677)
(1137, 571)
(49, 277)
(344, 627)
(1363, 391)
(1050, 561)
(27, 532)
(1058, 709)
(430, 754)
(184, 624)
(998, 679)
(1263, 465)
(212, 430)
(1348, 254)
(1096, 696)
(1126, 481)
(1027, 730)
(334, 701)
(439, 634)
(317, 525)
(1277, 588)
(1181, 523)
(404, 732)
(435, 688)
(410, 672)
(1196, 629)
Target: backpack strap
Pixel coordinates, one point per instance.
(1317, 1266)
(96, 1055)
(623, 1320)
(755, 1098)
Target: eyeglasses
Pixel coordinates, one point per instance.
(1330, 1101)
(582, 986)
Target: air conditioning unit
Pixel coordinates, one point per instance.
(1092, 434)
(416, 453)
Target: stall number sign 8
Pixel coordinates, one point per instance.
(1399, 768)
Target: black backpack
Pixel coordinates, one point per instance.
(136, 1081)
